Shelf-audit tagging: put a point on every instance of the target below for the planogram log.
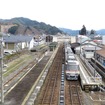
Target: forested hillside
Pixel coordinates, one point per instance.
(26, 26)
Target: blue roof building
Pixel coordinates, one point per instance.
(18, 42)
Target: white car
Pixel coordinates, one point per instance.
(7, 53)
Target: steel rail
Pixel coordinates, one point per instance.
(74, 93)
(79, 99)
(52, 80)
(16, 75)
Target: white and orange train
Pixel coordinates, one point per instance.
(71, 64)
(72, 70)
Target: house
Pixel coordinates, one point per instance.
(13, 43)
(89, 52)
(103, 39)
(100, 56)
(87, 48)
(55, 39)
(86, 43)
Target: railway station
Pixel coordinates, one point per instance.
(44, 80)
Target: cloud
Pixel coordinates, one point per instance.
(65, 13)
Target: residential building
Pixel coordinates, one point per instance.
(89, 52)
(86, 44)
(100, 56)
(17, 42)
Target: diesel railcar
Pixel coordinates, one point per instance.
(72, 70)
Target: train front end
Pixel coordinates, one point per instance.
(72, 72)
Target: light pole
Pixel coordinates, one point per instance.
(1, 69)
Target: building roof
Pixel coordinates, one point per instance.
(89, 41)
(91, 48)
(101, 52)
(73, 45)
(82, 38)
(17, 38)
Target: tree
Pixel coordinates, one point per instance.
(12, 30)
(92, 32)
(83, 31)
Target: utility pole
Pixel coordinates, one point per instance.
(80, 44)
(95, 62)
(1, 70)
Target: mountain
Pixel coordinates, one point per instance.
(25, 26)
(101, 32)
(69, 31)
(76, 32)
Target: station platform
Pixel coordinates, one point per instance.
(88, 81)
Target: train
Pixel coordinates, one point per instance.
(75, 70)
(72, 70)
(71, 64)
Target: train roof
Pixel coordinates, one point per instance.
(71, 62)
(72, 67)
(69, 51)
(71, 56)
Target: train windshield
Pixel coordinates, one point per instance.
(72, 67)
(71, 58)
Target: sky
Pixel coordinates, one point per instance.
(71, 14)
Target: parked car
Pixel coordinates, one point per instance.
(4, 65)
(7, 53)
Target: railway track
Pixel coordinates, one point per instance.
(14, 77)
(17, 76)
(73, 93)
(17, 94)
(50, 91)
